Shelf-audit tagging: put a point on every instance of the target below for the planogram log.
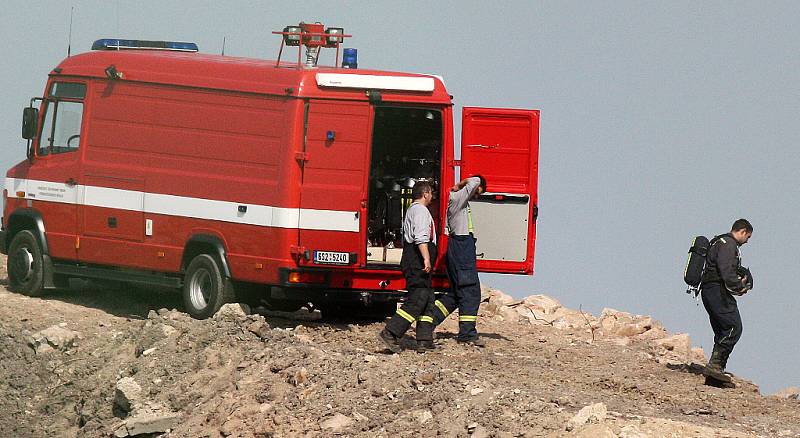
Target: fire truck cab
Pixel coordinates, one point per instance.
(243, 179)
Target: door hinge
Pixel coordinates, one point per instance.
(300, 251)
(302, 157)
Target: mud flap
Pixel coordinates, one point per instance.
(47, 272)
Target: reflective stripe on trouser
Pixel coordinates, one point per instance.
(419, 298)
(443, 307)
(465, 289)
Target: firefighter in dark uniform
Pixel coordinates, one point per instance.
(419, 254)
(723, 279)
(465, 288)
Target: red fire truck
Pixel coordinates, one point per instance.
(149, 162)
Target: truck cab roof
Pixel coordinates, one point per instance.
(249, 75)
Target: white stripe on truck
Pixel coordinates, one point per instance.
(184, 206)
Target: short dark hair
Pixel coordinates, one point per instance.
(420, 188)
(742, 224)
(482, 185)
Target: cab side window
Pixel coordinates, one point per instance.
(63, 114)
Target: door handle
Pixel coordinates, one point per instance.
(71, 182)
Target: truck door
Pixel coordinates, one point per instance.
(52, 180)
(332, 193)
(503, 146)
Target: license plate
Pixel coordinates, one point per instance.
(331, 257)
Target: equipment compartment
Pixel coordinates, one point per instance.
(406, 148)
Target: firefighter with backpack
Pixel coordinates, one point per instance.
(723, 278)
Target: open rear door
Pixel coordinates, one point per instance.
(503, 146)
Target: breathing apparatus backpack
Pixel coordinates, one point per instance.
(696, 264)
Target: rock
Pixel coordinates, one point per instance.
(121, 431)
(480, 432)
(679, 343)
(656, 332)
(422, 416)
(336, 424)
(631, 431)
(475, 391)
(508, 314)
(360, 418)
(234, 311)
(151, 422)
(168, 330)
(260, 329)
(149, 351)
(542, 304)
(151, 315)
(565, 319)
(594, 413)
(498, 298)
(128, 394)
(299, 377)
(231, 426)
(616, 323)
(53, 338)
(697, 355)
(427, 378)
(674, 349)
(596, 431)
(790, 393)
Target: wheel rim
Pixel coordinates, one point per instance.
(21, 264)
(200, 288)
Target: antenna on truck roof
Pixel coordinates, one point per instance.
(69, 37)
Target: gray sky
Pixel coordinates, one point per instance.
(660, 121)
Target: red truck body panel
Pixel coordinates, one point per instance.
(261, 157)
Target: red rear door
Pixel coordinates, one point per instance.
(503, 146)
(332, 193)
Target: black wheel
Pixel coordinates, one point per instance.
(205, 289)
(25, 264)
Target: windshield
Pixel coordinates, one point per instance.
(63, 114)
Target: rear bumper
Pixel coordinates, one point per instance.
(367, 297)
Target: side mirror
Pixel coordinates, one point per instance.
(30, 118)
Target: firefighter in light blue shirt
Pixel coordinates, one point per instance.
(465, 288)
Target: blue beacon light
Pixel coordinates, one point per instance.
(350, 58)
(118, 44)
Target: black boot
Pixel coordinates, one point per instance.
(715, 368)
(392, 342)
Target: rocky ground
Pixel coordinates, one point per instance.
(96, 362)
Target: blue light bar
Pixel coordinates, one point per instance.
(117, 44)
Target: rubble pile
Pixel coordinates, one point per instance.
(126, 362)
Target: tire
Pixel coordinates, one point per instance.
(25, 265)
(205, 289)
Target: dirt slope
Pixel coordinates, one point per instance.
(244, 375)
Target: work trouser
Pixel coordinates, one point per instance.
(420, 295)
(723, 312)
(465, 288)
